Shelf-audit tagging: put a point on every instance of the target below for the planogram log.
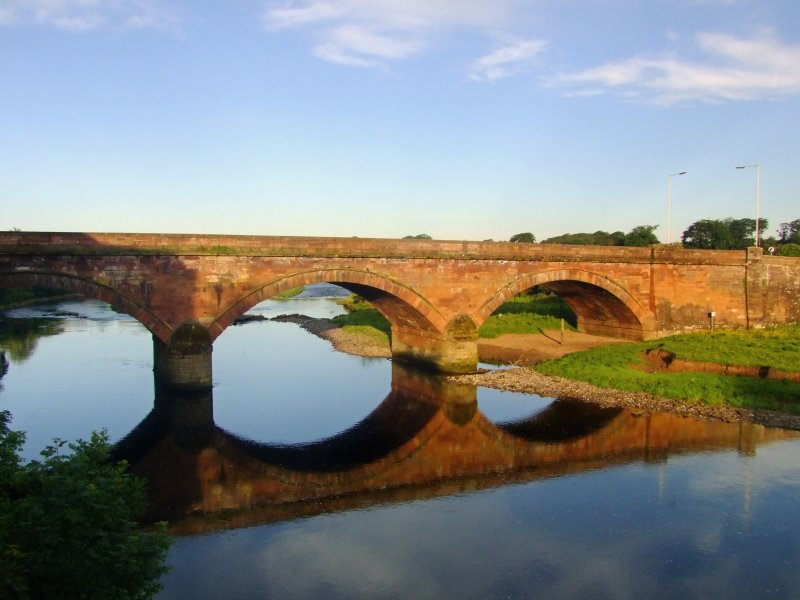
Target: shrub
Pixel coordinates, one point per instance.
(789, 250)
(67, 524)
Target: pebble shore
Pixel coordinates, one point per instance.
(528, 381)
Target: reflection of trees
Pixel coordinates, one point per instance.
(19, 337)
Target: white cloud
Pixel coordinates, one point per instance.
(86, 15)
(506, 61)
(733, 69)
(356, 45)
(372, 33)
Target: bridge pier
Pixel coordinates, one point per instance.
(454, 352)
(185, 362)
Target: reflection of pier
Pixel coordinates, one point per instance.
(426, 439)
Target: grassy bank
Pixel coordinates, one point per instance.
(528, 313)
(616, 367)
(363, 319)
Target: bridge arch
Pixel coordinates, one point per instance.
(402, 306)
(91, 289)
(603, 307)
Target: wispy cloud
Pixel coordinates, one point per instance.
(374, 33)
(506, 61)
(731, 69)
(87, 15)
(360, 46)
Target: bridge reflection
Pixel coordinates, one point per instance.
(426, 439)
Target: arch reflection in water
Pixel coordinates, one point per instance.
(426, 439)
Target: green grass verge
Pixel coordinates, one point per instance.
(610, 367)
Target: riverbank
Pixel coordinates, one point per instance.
(528, 381)
(517, 350)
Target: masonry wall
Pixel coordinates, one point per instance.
(166, 280)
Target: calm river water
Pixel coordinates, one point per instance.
(308, 473)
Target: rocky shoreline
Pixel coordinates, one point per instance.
(357, 345)
(527, 381)
(521, 379)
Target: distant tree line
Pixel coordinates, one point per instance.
(710, 234)
(737, 234)
(723, 234)
(641, 235)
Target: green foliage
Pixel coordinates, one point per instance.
(67, 527)
(726, 234)
(530, 312)
(598, 238)
(419, 236)
(286, 294)
(363, 318)
(789, 250)
(641, 235)
(789, 233)
(779, 347)
(525, 238)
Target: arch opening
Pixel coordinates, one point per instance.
(420, 333)
(600, 306)
(89, 289)
(401, 306)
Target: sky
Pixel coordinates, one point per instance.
(462, 119)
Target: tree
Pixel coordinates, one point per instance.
(789, 233)
(67, 527)
(641, 235)
(526, 238)
(419, 236)
(709, 234)
(598, 238)
(727, 234)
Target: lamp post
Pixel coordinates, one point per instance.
(669, 203)
(758, 198)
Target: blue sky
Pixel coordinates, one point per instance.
(462, 119)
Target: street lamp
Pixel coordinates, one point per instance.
(758, 199)
(669, 203)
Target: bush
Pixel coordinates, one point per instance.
(789, 250)
(67, 524)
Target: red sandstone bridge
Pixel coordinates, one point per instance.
(187, 289)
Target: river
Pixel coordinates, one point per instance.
(309, 473)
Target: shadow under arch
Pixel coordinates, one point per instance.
(401, 305)
(602, 306)
(563, 420)
(91, 289)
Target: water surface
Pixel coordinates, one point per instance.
(309, 473)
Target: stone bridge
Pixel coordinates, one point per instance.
(187, 289)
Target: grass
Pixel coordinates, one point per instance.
(528, 314)
(286, 294)
(778, 347)
(363, 319)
